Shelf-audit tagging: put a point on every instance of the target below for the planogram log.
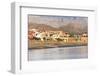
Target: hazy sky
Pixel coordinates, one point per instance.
(57, 21)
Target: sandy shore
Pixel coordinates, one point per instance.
(34, 44)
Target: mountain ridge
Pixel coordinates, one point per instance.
(70, 27)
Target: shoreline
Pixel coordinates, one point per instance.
(58, 46)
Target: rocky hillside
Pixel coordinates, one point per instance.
(70, 27)
(74, 28)
(42, 27)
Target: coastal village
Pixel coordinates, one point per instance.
(57, 31)
(51, 38)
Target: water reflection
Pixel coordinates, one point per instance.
(58, 53)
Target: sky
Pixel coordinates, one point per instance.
(57, 21)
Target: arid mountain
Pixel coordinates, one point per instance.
(70, 27)
(42, 27)
(74, 28)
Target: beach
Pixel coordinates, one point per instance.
(38, 44)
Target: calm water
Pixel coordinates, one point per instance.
(58, 53)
